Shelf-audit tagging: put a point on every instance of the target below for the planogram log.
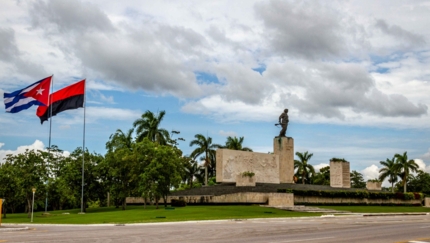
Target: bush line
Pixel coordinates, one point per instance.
(356, 194)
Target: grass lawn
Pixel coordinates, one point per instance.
(379, 209)
(137, 214)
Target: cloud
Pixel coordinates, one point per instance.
(69, 15)
(227, 133)
(422, 166)
(319, 166)
(399, 33)
(37, 145)
(370, 173)
(10, 54)
(302, 29)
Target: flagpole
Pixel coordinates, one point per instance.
(49, 143)
(83, 151)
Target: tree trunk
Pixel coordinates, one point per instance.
(404, 186)
(29, 208)
(124, 204)
(206, 175)
(392, 187)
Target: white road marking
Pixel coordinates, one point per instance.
(418, 241)
(323, 238)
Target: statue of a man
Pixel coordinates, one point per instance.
(283, 121)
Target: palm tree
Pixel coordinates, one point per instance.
(205, 147)
(148, 127)
(302, 166)
(235, 143)
(405, 166)
(389, 170)
(191, 170)
(120, 140)
(357, 180)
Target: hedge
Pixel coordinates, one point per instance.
(355, 194)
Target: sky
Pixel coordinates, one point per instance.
(354, 74)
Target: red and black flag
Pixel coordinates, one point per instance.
(70, 97)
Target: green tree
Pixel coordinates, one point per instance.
(120, 140)
(164, 168)
(31, 172)
(405, 167)
(191, 170)
(235, 143)
(302, 167)
(205, 147)
(72, 174)
(390, 171)
(420, 183)
(148, 127)
(322, 177)
(9, 181)
(357, 180)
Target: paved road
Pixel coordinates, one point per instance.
(332, 229)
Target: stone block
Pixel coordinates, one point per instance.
(245, 180)
(427, 202)
(281, 199)
(231, 163)
(374, 186)
(340, 174)
(284, 148)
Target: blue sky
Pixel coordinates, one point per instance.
(354, 74)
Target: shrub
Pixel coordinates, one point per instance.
(354, 194)
(248, 174)
(178, 203)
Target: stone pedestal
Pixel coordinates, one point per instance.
(284, 148)
(281, 200)
(340, 174)
(245, 180)
(427, 202)
(374, 186)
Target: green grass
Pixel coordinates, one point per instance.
(137, 214)
(379, 209)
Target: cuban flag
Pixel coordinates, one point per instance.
(35, 94)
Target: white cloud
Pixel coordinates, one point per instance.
(370, 173)
(37, 145)
(422, 166)
(319, 166)
(227, 133)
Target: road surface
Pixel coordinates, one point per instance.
(349, 229)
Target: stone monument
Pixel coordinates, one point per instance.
(339, 173)
(267, 168)
(374, 185)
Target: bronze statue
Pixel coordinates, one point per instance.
(283, 121)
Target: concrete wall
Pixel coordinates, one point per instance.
(231, 163)
(245, 180)
(274, 199)
(374, 186)
(268, 168)
(427, 202)
(340, 174)
(329, 200)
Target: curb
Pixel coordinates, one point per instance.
(2, 229)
